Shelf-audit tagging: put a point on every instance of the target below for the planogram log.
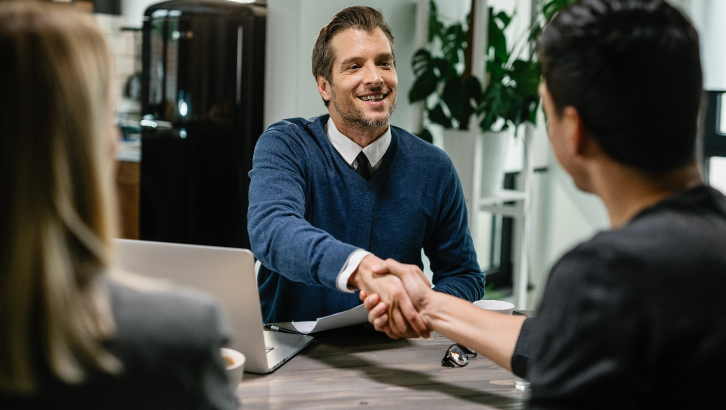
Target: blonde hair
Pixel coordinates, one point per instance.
(57, 211)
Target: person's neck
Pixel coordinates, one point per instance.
(626, 191)
(360, 134)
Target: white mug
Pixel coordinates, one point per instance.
(496, 306)
(236, 370)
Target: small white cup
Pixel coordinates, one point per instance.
(506, 308)
(496, 306)
(236, 370)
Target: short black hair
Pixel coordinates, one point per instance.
(632, 70)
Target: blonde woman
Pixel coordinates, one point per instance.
(72, 336)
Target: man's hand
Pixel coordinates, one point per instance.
(415, 282)
(402, 317)
(492, 334)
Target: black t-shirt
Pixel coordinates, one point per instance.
(636, 316)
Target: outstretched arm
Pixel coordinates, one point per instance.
(491, 334)
(280, 235)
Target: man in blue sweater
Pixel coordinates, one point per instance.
(332, 197)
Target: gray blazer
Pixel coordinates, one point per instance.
(169, 343)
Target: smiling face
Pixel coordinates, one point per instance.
(364, 86)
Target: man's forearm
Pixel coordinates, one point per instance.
(491, 334)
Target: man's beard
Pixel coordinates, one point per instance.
(354, 115)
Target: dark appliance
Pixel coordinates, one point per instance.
(201, 101)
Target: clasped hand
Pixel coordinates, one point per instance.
(393, 293)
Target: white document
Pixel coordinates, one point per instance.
(354, 316)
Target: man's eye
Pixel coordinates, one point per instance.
(385, 63)
(354, 67)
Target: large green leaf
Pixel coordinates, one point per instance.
(462, 99)
(454, 96)
(443, 69)
(420, 61)
(497, 40)
(437, 116)
(454, 43)
(423, 86)
(504, 18)
(492, 107)
(495, 70)
(526, 75)
(436, 27)
(473, 90)
(429, 72)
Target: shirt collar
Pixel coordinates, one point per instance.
(349, 150)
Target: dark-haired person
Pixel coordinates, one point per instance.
(334, 195)
(630, 318)
(74, 332)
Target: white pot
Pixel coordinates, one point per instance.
(479, 160)
(494, 150)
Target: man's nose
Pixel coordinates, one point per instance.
(371, 75)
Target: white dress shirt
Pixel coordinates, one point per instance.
(349, 150)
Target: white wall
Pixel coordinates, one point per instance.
(133, 11)
(708, 17)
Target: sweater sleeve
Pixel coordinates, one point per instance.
(280, 236)
(450, 247)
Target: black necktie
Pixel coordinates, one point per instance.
(363, 166)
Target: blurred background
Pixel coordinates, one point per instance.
(270, 79)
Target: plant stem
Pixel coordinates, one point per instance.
(469, 41)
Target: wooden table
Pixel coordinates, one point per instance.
(358, 368)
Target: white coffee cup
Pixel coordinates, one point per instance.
(496, 306)
(506, 308)
(237, 369)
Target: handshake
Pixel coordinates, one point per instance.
(396, 296)
(401, 303)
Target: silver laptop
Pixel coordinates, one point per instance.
(227, 273)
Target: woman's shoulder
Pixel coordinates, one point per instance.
(152, 315)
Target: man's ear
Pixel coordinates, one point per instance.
(324, 88)
(578, 139)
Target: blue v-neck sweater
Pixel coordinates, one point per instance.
(309, 210)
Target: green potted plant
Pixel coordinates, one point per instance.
(452, 95)
(457, 100)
